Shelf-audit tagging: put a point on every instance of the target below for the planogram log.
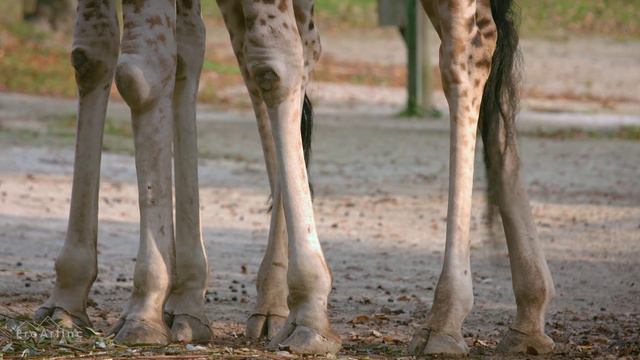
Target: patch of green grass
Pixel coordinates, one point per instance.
(220, 67)
(618, 18)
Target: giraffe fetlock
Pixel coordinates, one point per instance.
(442, 333)
(185, 315)
(271, 310)
(307, 329)
(427, 341)
(516, 341)
(67, 305)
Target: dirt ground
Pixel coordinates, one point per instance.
(380, 203)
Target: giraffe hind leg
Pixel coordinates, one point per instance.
(532, 282)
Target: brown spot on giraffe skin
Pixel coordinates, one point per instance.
(153, 21)
(151, 43)
(489, 34)
(283, 6)
(453, 6)
(484, 22)
(464, 93)
(312, 25)
(477, 40)
(476, 82)
(459, 46)
(137, 5)
(285, 25)
(483, 64)
(263, 22)
(455, 77)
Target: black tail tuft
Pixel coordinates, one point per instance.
(500, 99)
(306, 130)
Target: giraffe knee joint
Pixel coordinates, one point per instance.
(132, 84)
(90, 72)
(275, 83)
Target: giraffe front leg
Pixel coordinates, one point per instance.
(273, 51)
(184, 311)
(454, 294)
(271, 309)
(94, 55)
(307, 329)
(145, 77)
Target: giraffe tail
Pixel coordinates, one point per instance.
(306, 130)
(500, 101)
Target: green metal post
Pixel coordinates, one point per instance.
(413, 73)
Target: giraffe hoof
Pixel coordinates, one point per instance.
(304, 340)
(189, 329)
(264, 326)
(62, 317)
(430, 342)
(518, 342)
(140, 332)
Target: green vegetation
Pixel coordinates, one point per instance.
(37, 62)
(617, 18)
(220, 67)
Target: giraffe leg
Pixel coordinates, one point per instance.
(532, 283)
(272, 289)
(271, 310)
(454, 295)
(184, 311)
(145, 77)
(94, 56)
(274, 57)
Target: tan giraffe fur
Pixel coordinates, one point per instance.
(277, 45)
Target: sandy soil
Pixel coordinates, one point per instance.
(381, 189)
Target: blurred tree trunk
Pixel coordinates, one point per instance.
(56, 15)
